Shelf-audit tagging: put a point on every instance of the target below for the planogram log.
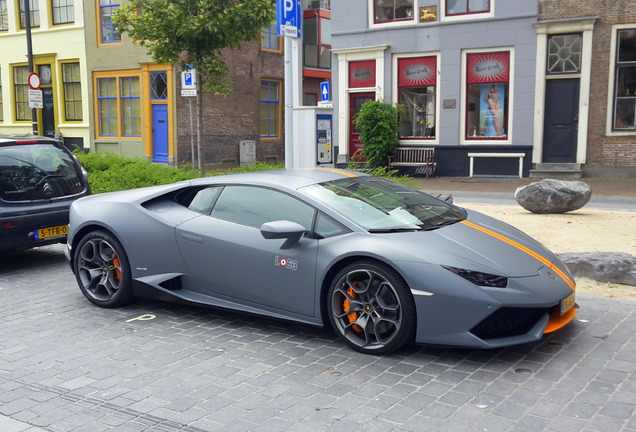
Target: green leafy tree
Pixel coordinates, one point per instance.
(378, 124)
(195, 32)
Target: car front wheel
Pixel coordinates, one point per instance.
(102, 270)
(371, 308)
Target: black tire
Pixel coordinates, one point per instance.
(102, 270)
(371, 308)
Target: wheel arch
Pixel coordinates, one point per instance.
(81, 233)
(333, 271)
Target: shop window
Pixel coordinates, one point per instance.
(417, 81)
(625, 82)
(487, 95)
(4, 17)
(270, 41)
(270, 109)
(21, 89)
(317, 40)
(72, 92)
(63, 12)
(386, 11)
(34, 14)
(107, 28)
(118, 106)
(464, 7)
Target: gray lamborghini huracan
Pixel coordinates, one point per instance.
(384, 264)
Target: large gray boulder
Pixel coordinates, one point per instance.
(614, 267)
(553, 196)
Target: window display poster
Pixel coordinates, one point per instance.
(491, 110)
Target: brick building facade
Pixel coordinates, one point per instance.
(227, 121)
(611, 147)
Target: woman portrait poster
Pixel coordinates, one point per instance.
(491, 110)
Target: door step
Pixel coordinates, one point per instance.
(561, 171)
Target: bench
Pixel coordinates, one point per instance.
(472, 157)
(421, 158)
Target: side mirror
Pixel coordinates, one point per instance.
(283, 229)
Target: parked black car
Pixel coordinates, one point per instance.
(39, 178)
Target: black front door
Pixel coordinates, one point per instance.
(48, 112)
(561, 120)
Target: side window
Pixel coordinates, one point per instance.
(327, 227)
(253, 206)
(204, 200)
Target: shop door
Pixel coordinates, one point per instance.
(560, 126)
(355, 103)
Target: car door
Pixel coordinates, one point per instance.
(227, 254)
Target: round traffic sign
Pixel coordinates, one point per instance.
(34, 81)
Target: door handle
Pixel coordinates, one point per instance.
(192, 238)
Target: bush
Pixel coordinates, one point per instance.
(378, 124)
(109, 172)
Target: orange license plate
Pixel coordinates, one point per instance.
(56, 231)
(568, 303)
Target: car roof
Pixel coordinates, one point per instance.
(292, 178)
(25, 139)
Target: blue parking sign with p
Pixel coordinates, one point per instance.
(289, 18)
(187, 78)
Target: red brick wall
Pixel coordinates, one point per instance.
(602, 150)
(226, 121)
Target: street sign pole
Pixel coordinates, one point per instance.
(27, 24)
(289, 24)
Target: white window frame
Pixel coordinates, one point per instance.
(438, 92)
(511, 103)
(400, 23)
(612, 81)
(467, 17)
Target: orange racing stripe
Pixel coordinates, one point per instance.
(333, 171)
(522, 248)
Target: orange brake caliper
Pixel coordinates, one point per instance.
(351, 315)
(117, 271)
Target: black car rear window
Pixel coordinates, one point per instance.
(33, 172)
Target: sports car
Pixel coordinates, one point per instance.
(383, 264)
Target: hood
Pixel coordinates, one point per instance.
(480, 243)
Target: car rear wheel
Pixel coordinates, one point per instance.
(102, 270)
(371, 308)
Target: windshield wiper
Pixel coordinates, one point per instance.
(442, 224)
(395, 229)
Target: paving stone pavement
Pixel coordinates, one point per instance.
(66, 365)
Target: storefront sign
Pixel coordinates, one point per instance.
(428, 13)
(417, 71)
(486, 68)
(362, 74)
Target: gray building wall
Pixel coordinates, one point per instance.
(511, 27)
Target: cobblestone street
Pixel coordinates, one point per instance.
(66, 365)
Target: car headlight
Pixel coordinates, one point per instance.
(479, 278)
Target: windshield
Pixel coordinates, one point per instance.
(380, 205)
(32, 172)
